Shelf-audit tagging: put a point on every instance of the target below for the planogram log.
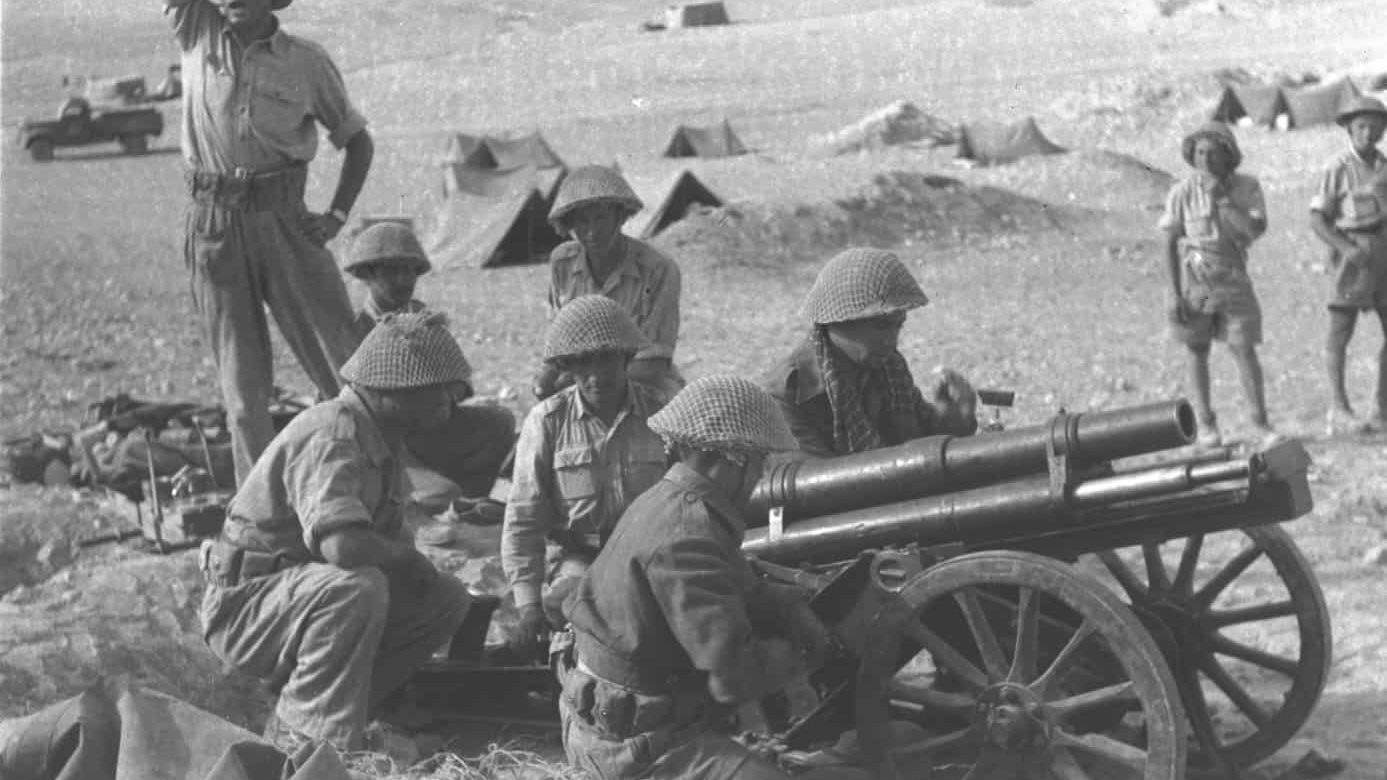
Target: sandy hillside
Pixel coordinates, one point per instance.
(1045, 276)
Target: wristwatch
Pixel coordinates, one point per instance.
(339, 215)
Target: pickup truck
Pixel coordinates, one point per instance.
(79, 124)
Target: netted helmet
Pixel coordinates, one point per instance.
(407, 350)
(592, 184)
(588, 324)
(388, 243)
(859, 283)
(1217, 132)
(725, 414)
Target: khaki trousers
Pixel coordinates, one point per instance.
(334, 642)
(247, 255)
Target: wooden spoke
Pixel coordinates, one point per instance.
(1110, 694)
(1136, 591)
(1064, 767)
(931, 700)
(988, 645)
(1156, 576)
(1105, 746)
(1064, 659)
(1235, 692)
(1023, 657)
(1223, 618)
(1206, 595)
(1225, 646)
(932, 744)
(1189, 559)
(945, 656)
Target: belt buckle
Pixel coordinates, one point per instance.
(242, 174)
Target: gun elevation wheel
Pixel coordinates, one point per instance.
(1247, 629)
(989, 652)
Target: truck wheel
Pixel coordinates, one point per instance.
(41, 149)
(134, 144)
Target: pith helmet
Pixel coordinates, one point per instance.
(725, 413)
(387, 243)
(859, 283)
(407, 350)
(590, 184)
(1219, 133)
(591, 323)
(1361, 105)
(279, 5)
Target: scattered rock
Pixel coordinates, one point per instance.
(1376, 556)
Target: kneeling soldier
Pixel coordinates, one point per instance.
(313, 585)
(666, 621)
(583, 456)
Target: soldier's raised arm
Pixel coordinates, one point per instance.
(192, 20)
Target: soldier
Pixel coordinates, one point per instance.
(1211, 218)
(663, 644)
(1349, 214)
(313, 585)
(847, 388)
(469, 447)
(591, 206)
(583, 456)
(251, 96)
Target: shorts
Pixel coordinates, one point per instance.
(1222, 306)
(1199, 330)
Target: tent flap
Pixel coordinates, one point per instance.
(706, 141)
(667, 202)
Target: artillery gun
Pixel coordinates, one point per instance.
(1041, 612)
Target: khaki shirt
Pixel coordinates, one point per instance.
(1217, 235)
(255, 107)
(670, 594)
(330, 468)
(1352, 192)
(645, 283)
(574, 475)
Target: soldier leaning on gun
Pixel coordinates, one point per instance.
(1211, 218)
(847, 388)
(468, 449)
(583, 456)
(1349, 214)
(251, 96)
(314, 584)
(665, 622)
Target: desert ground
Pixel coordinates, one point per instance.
(1045, 276)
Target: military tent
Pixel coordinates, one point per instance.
(708, 141)
(696, 15)
(1260, 103)
(994, 143)
(493, 218)
(466, 152)
(667, 201)
(1318, 104)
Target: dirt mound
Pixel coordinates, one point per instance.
(897, 207)
(40, 528)
(1091, 178)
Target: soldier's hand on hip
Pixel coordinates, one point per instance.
(321, 228)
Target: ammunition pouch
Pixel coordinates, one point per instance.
(226, 565)
(615, 711)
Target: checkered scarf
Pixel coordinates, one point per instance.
(853, 431)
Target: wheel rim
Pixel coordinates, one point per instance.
(1197, 590)
(1005, 699)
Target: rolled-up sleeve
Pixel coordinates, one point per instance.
(331, 106)
(192, 21)
(1329, 192)
(322, 484)
(662, 325)
(530, 510)
(1173, 217)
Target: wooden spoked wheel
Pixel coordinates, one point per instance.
(1248, 628)
(988, 654)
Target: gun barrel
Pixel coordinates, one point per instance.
(935, 464)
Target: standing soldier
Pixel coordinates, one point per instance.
(583, 456)
(847, 388)
(1211, 218)
(314, 585)
(1349, 214)
(591, 206)
(664, 633)
(251, 95)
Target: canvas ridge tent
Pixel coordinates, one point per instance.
(1260, 103)
(466, 152)
(706, 141)
(995, 143)
(696, 15)
(667, 201)
(494, 218)
(1304, 106)
(1318, 104)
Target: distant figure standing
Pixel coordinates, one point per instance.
(1349, 214)
(1211, 218)
(591, 206)
(251, 95)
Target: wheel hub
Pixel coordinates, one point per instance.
(1012, 717)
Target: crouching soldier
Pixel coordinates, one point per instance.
(313, 586)
(583, 456)
(469, 446)
(663, 643)
(847, 388)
